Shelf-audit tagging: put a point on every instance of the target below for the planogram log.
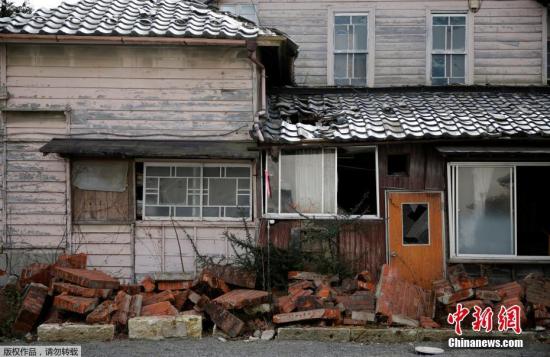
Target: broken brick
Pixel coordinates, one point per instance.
(135, 306)
(180, 298)
(304, 303)
(159, 297)
(159, 309)
(148, 284)
(326, 314)
(366, 285)
(226, 321)
(30, 309)
(35, 273)
(360, 300)
(199, 300)
(77, 261)
(427, 322)
(122, 303)
(456, 297)
(174, 285)
(80, 305)
(232, 275)
(460, 280)
(102, 313)
(241, 298)
(131, 289)
(299, 285)
(537, 291)
(285, 304)
(72, 289)
(348, 285)
(214, 282)
(324, 291)
(485, 294)
(306, 275)
(512, 289)
(88, 278)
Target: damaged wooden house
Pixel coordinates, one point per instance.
(131, 127)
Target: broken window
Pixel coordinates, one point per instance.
(498, 210)
(100, 191)
(415, 223)
(196, 191)
(322, 181)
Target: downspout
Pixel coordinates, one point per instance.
(251, 46)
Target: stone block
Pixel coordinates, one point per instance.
(161, 327)
(75, 332)
(318, 314)
(325, 334)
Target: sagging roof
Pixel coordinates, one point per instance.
(111, 148)
(297, 115)
(167, 18)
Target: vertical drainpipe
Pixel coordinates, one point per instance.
(252, 46)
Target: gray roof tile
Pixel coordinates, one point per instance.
(295, 115)
(134, 18)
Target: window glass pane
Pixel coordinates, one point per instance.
(222, 192)
(458, 20)
(362, 20)
(457, 65)
(173, 191)
(237, 171)
(301, 181)
(157, 171)
(188, 211)
(340, 38)
(151, 199)
(360, 66)
(440, 20)
(237, 212)
(484, 211)
(153, 211)
(188, 171)
(211, 212)
(273, 182)
(415, 223)
(341, 20)
(340, 65)
(211, 171)
(360, 38)
(440, 81)
(438, 38)
(438, 66)
(459, 38)
(329, 187)
(357, 181)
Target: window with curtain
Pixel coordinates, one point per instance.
(498, 210)
(449, 49)
(350, 49)
(322, 181)
(196, 191)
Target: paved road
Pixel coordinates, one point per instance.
(211, 346)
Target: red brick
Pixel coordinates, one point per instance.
(159, 297)
(122, 303)
(486, 294)
(30, 309)
(199, 300)
(365, 300)
(102, 313)
(469, 304)
(234, 276)
(460, 280)
(148, 284)
(214, 282)
(509, 302)
(364, 276)
(80, 305)
(35, 273)
(537, 291)
(348, 285)
(285, 304)
(456, 297)
(306, 275)
(77, 261)
(76, 290)
(131, 289)
(226, 321)
(159, 309)
(512, 289)
(181, 299)
(324, 291)
(299, 285)
(366, 285)
(426, 322)
(442, 287)
(327, 314)
(304, 303)
(174, 285)
(135, 306)
(88, 278)
(241, 298)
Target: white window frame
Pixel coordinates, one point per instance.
(468, 47)
(352, 11)
(144, 217)
(279, 215)
(455, 257)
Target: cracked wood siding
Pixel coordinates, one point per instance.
(132, 90)
(36, 204)
(507, 38)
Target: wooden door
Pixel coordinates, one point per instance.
(415, 236)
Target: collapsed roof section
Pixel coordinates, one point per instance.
(299, 115)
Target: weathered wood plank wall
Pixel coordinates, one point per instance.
(507, 38)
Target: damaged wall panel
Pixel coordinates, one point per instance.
(104, 199)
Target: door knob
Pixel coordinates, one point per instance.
(393, 254)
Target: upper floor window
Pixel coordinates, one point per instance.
(248, 11)
(350, 50)
(449, 53)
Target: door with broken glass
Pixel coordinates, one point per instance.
(415, 236)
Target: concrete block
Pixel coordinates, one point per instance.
(161, 327)
(385, 335)
(75, 332)
(327, 334)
